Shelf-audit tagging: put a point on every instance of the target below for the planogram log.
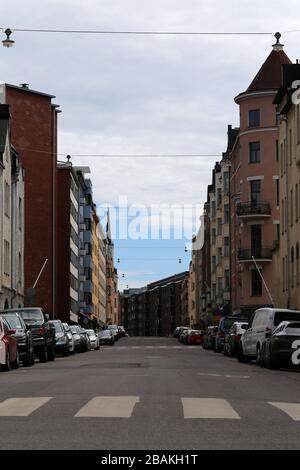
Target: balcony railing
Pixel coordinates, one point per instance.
(258, 255)
(253, 208)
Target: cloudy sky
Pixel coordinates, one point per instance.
(145, 95)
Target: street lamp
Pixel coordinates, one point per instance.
(7, 42)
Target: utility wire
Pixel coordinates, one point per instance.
(153, 33)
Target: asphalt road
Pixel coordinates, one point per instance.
(149, 393)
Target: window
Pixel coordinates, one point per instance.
(219, 226)
(226, 213)
(291, 146)
(226, 246)
(220, 286)
(297, 265)
(256, 284)
(226, 182)
(219, 256)
(277, 151)
(213, 209)
(213, 236)
(254, 118)
(219, 196)
(213, 264)
(254, 152)
(292, 208)
(277, 192)
(20, 216)
(6, 258)
(255, 187)
(227, 279)
(292, 266)
(7, 199)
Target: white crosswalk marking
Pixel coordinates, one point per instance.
(208, 408)
(108, 407)
(291, 409)
(21, 406)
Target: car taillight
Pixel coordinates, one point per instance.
(268, 331)
(238, 337)
(42, 330)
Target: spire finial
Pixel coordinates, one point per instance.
(277, 46)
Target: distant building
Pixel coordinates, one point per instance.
(11, 218)
(112, 295)
(98, 271)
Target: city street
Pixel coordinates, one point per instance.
(149, 393)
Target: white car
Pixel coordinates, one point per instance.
(93, 340)
(262, 323)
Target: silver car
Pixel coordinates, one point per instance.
(93, 340)
(70, 337)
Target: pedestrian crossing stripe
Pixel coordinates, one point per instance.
(22, 406)
(108, 407)
(209, 408)
(291, 409)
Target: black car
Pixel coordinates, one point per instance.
(23, 336)
(233, 337)
(209, 338)
(106, 337)
(280, 347)
(61, 338)
(43, 334)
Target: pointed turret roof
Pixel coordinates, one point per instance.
(269, 76)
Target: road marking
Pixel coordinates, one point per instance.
(108, 407)
(22, 406)
(208, 374)
(291, 409)
(208, 408)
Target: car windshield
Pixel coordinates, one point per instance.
(228, 322)
(74, 329)
(13, 321)
(58, 326)
(282, 316)
(31, 315)
(105, 333)
(90, 332)
(293, 328)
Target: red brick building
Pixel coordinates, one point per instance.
(34, 135)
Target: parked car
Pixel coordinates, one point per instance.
(277, 348)
(70, 338)
(23, 336)
(233, 337)
(43, 333)
(121, 332)
(209, 338)
(62, 343)
(83, 339)
(9, 356)
(262, 323)
(178, 331)
(114, 329)
(76, 337)
(224, 326)
(106, 337)
(181, 337)
(93, 341)
(194, 337)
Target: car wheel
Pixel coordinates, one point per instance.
(258, 355)
(6, 367)
(43, 356)
(15, 364)
(240, 354)
(28, 360)
(271, 363)
(51, 353)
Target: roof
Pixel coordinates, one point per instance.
(29, 90)
(269, 76)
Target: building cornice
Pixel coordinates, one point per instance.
(254, 94)
(260, 129)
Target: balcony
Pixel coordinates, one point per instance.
(253, 209)
(264, 254)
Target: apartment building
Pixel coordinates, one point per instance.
(287, 253)
(98, 271)
(254, 188)
(11, 218)
(34, 135)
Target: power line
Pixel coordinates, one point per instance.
(150, 33)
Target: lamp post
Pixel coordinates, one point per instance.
(7, 42)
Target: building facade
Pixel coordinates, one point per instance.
(287, 272)
(98, 271)
(254, 189)
(11, 218)
(34, 135)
